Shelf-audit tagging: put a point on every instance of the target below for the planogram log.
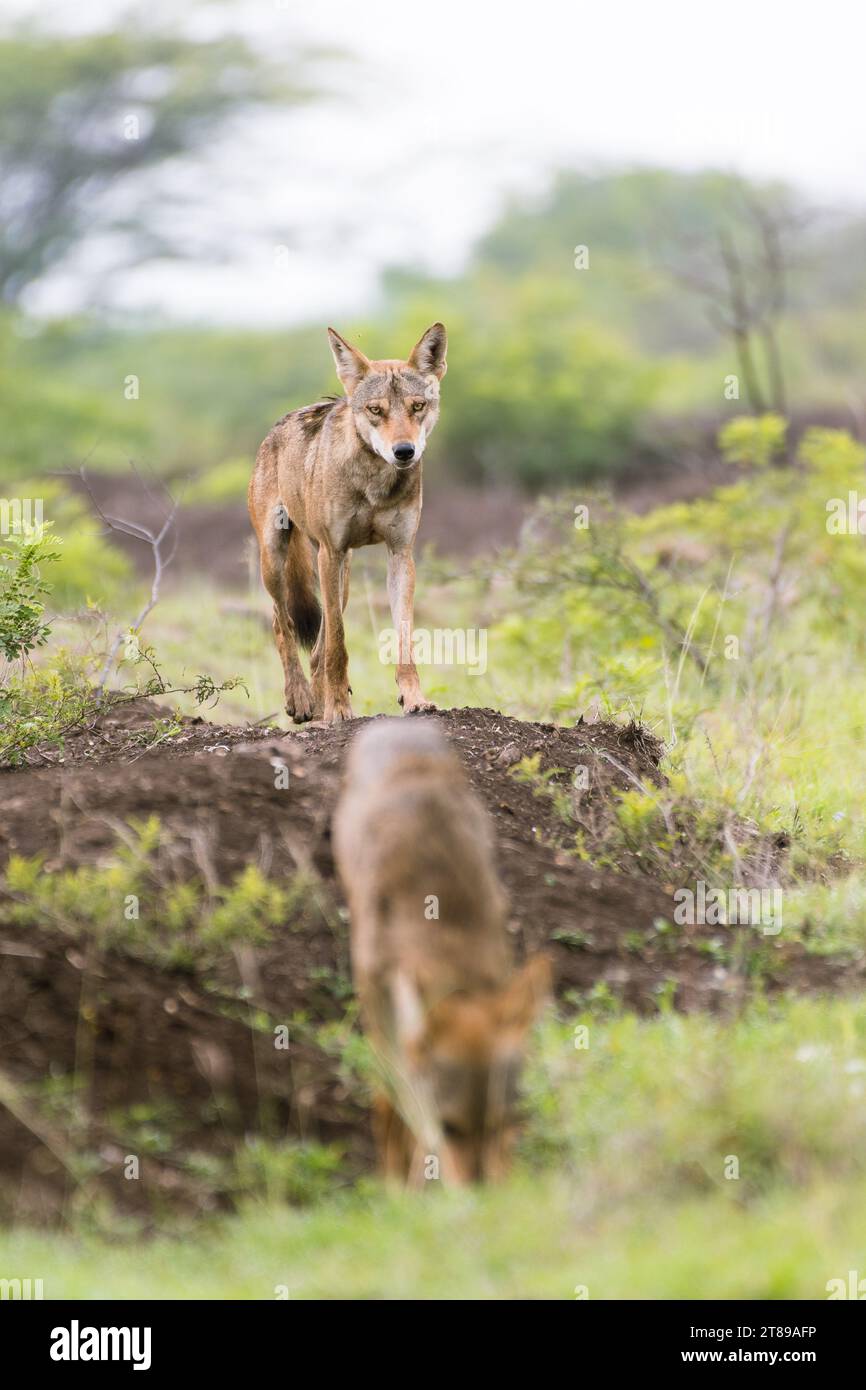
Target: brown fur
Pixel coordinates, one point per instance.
(445, 1010)
(327, 475)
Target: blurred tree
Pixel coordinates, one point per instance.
(740, 273)
(728, 241)
(80, 113)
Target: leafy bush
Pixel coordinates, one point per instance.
(301, 1174)
(756, 440)
(184, 924)
(22, 593)
(43, 705)
(715, 622)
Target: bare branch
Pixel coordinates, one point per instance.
(162, 558)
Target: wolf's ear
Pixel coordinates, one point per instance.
(428, 354)
(351, 364)
(526, 993)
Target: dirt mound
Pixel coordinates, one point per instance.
(106, 1052)
(129, 731)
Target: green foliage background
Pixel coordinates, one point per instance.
(555, 374)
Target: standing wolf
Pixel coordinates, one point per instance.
(345, 473)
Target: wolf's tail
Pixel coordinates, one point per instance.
(304, 607)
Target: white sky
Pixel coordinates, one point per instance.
(449, 105)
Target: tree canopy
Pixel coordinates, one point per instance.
(81, 113)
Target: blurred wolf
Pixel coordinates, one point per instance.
(445, 1010)
(344, 473)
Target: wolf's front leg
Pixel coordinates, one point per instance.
(401, 596)
(333, 672)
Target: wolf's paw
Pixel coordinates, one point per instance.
(417, 705)
(337, 709)
(299, 702)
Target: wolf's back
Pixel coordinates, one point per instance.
(410, 831)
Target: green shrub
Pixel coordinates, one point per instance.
(23, 591)
(755, 440)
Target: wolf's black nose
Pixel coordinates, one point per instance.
(404, 452)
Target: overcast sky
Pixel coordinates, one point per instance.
(450, 105)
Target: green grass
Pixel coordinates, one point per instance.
(232, 633)
(523, 1241)
(621, 1187)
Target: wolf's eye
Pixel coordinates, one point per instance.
(375, 409)
(418, 406)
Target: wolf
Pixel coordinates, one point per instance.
(343, 473)
(445, 1010)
